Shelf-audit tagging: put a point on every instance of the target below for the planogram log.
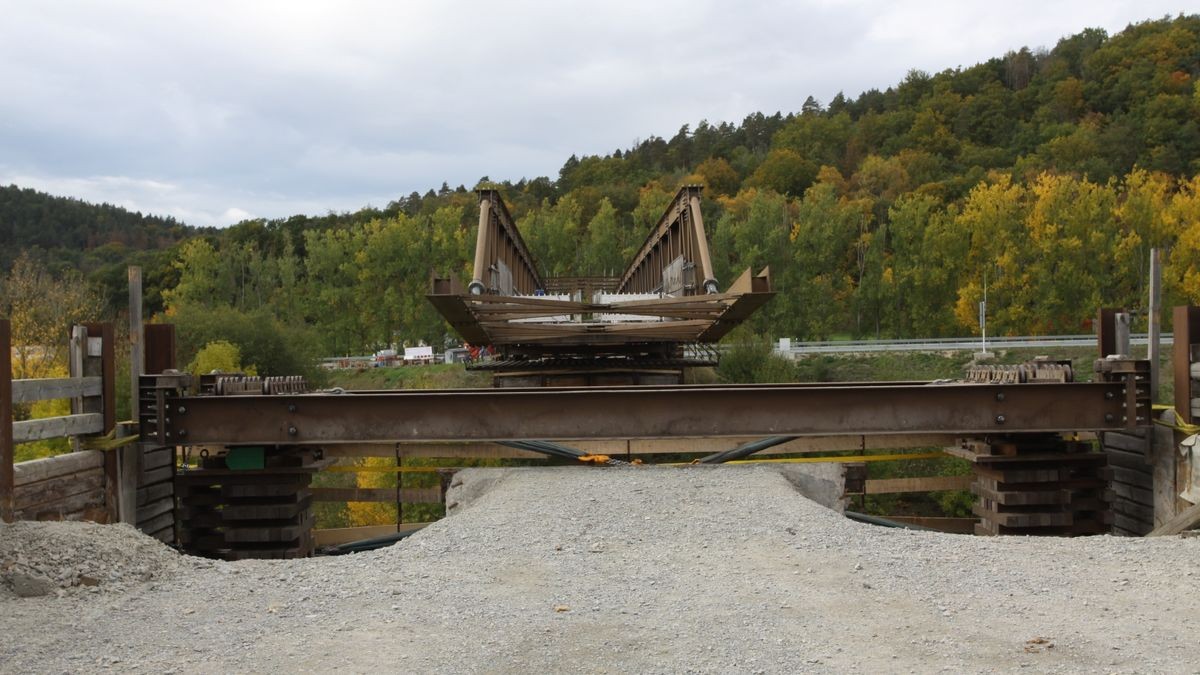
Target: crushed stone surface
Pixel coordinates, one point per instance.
(699, 569)
(40, 558)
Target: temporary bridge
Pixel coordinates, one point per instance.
(592, 365)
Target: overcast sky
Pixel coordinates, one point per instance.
(217, 111)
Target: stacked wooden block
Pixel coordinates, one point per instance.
(1039, 485)
(1133, 480)
(249, 513)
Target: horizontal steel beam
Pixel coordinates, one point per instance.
(644, 412)
(950, 344)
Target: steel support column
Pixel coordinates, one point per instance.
(481, 247)
(499, 245)
(706, 268)
(680, 221)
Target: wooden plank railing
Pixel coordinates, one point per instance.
(886, 486)
(24, 490)
(86, 394)
(31, 391)
(57, 427)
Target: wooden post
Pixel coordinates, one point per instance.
(159, 348)
(137, 361)
(106, 369)
(106, 366)
(1163, 450)
(76, 354)
(1186, 327)
(1106, 337)
(1155, 328)
(6, 438)
(129, 464)
(1123, 335)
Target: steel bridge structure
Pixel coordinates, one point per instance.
(630, 326)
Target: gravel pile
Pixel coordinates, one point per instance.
(40, 558)
(698, 569)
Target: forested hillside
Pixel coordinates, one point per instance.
(62, 234)
(1046, 173)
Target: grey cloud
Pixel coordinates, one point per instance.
(276, 108)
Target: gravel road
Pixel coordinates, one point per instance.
(699, 569)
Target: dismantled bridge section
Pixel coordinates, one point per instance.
(630, 326)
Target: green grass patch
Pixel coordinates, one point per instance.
(436, 376)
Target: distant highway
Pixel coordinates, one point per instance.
(949, 344)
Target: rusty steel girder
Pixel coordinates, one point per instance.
(645, 412)
(677, 240)
(668, 295)
(1186, 352)
(503, 264)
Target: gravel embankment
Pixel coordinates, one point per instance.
(708, 569)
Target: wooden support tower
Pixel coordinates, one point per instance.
(153, 461)
(249, 513)
(1039, 485)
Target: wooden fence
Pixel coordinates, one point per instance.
(79, 485)
(650, 451)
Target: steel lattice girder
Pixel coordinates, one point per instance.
(502, 304)
(645, 412)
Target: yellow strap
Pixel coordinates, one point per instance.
(388, 469)
(107, 442)
(1181, 427)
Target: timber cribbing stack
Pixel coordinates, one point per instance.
(1133, 480)
(152, 462)
(1039, 485)
(155, 471)
(249, 513)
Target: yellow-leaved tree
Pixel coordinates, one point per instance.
(1182, 273)
(992, 218)
(42, 308)
(220, 356)
(373, 513)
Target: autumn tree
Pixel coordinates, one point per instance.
(784, 171)
(719, 176)
(992, 219)
(220, 356)
(42, 308)
(606, 241)
(1182, 274)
